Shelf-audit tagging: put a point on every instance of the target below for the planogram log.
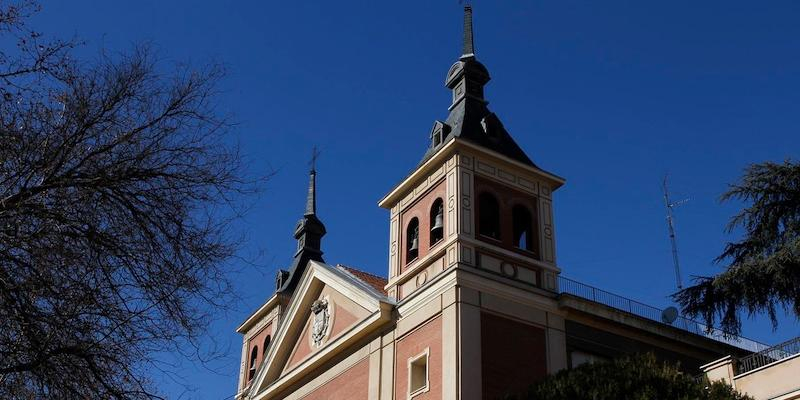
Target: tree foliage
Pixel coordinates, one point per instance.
(762, 272)
(631, 378)
(112, 235)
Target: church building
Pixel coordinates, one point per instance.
(474, 305)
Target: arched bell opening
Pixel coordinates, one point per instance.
(489, 212)
(437, 222)
(253, 358)
(412, 240)
(266, 348)
(523, 227)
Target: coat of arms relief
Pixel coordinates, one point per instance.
(321, 324)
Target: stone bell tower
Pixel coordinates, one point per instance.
(476, 199)
(476, 216)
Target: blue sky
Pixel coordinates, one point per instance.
(610, 95)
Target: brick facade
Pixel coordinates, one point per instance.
(421, 210)
(351, 384)
(513, 355)
(428, 336)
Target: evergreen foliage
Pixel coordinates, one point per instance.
(763, 268)
(639, 377)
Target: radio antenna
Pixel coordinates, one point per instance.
(671, 226)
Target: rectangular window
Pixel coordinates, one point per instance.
(578, 357)
(418, 374)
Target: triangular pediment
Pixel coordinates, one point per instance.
(330, 310)
(337, 317)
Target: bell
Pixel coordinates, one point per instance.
(438, 221)
(414, 244)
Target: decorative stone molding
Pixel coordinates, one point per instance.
(509, 177)
(394, 257)
(546, 230)
(451, 194)
(466, 184)
(466, 254)
(322, 321)
(420, 189)
(501, 266)
(419, 278)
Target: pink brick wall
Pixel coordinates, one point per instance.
(257, 340)
(342, 320)
(421, 210)
(353, 384)
(429, 336)
(513, 356)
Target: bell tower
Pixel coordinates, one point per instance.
(476, 201)
(472, 240)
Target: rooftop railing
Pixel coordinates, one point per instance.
(768, 356)
(575, 288)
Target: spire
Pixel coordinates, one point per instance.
(469, 45)
(469, 116)
(467, 76)
(311, 198)
(309, 233)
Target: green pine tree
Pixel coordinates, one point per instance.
(762, 271)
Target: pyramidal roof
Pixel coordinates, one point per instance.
(470, 118)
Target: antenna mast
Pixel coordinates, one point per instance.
(671, 226)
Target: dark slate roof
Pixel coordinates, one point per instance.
(309, 233)
(470, 118)
(467, 120)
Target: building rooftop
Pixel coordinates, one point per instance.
(376, 282)
(584, 291)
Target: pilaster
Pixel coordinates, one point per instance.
(469, 317)
(450, 344)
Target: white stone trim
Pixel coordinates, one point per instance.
(252, 319)
(763, 367)
(555, 180)
(470, 385)
(419, 264)
(479, 244)
(424, 389)
(393, 197)
(450, 339)
(329, 375)
(387, 369)
(272, 380)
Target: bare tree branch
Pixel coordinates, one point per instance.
(115, 187)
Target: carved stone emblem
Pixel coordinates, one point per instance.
(321, 319)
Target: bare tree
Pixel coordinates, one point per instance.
(114, 181)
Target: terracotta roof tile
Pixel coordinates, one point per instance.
(376, 282)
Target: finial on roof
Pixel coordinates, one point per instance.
(469, 116)
(311, 198)
(308, 232)
(469, 46)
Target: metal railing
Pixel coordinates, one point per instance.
(575, 288)
(768, 356)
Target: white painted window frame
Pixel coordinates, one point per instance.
(424, 389)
